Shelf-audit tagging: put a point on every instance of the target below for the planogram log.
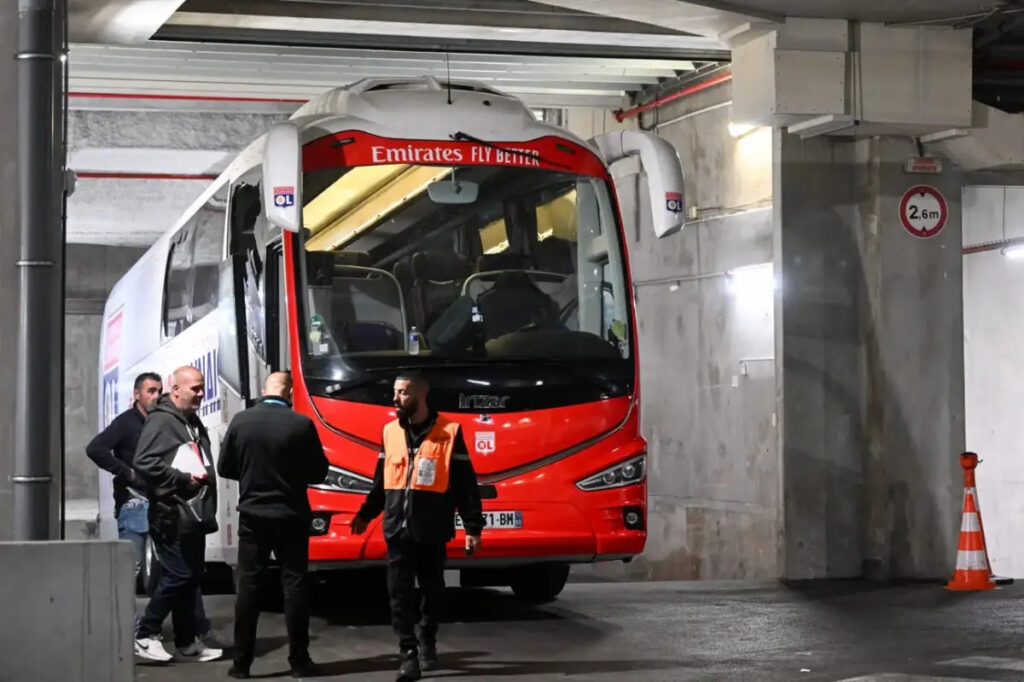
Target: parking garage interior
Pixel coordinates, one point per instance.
(813, 358)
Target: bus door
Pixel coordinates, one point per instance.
(253, 331)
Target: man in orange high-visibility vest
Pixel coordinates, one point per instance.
(423, 476)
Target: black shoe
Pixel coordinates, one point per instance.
(428, 656)
(238, 673)
(410, 668)
(306, 669)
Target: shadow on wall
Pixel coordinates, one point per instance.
(856, 501)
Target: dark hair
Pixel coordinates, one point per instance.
(413, 376)
(151, 376)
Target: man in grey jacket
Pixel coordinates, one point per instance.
(182, 511)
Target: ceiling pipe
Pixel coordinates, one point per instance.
(621, 115)
(109, 175)
(185, 98)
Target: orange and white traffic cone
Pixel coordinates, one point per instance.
(972, 571)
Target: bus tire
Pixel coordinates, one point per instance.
(540, 583)
(150, 571)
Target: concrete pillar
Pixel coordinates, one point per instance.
(869, 337)
(8, 236)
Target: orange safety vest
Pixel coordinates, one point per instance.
(433, 459)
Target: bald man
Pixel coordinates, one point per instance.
(275, 454)
(173, 458)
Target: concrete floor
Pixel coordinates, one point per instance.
(668, 631)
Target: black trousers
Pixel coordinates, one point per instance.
(289, 540)
(409, 562)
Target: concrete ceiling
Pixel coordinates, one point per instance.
(165, 92)
(864, 10)
(258, 71)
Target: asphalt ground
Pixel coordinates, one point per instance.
(657, 631)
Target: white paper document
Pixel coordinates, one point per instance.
(187, 460)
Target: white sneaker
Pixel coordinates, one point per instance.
(197, 651)
(152, 649)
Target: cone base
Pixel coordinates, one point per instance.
(964, 583)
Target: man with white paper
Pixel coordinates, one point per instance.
(174, 459)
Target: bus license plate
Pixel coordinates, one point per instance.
(498, 519)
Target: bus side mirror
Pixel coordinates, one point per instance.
(282, 177)
(664, 174)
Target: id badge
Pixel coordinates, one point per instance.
(426, 472)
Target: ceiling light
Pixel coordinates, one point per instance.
(740, 129)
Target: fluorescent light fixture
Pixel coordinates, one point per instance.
(1014, 252)
(374, 208)
(740, 129)
(943, 135)
(822, 125)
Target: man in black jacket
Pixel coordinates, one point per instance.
(174, 460)
(113, 450)
(423, 476)
(275, 454)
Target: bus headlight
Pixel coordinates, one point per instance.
(345, 481)
(631, 471)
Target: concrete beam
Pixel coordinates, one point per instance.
(127, 212)
(148, 160)
(482, 13)
(97, 129)
(707, 19)
(451, 31)
(118, 21)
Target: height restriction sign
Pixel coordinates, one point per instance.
(923, 211)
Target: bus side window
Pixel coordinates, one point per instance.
(177, 295)
(193, 266)
(208, 252)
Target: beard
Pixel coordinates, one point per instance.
(408, 410)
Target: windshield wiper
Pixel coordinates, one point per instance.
(572, 367)
(373, 375)
(461, 136)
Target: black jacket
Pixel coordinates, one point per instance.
(431, 516)
(113, 450)
(175, 504)
(274, 453)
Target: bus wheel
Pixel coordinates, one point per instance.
(149, 573)
(540, 582)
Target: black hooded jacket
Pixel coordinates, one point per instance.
(176, 505)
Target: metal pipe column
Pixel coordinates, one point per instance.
(37, 431)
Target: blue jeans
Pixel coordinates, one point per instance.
(133, 525)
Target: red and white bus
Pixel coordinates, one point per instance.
(397, 224)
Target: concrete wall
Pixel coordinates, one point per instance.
(72, 607)
(713, 481)
(9, 235)
(869, 334)
(993, 330)
(91, 272)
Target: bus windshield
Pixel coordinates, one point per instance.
(514, 269)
